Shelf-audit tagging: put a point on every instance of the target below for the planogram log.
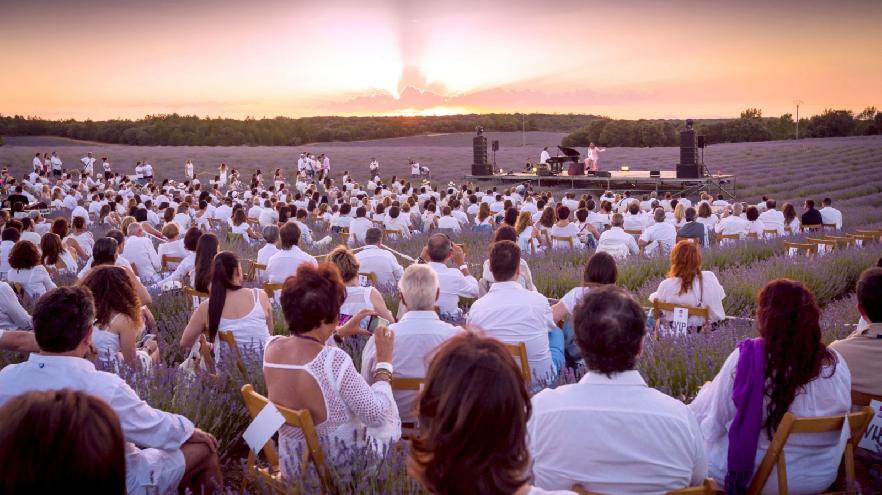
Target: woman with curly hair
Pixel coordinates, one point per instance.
(119, 324)
(786, 369)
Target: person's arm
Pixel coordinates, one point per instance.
(143, 294)
(713, 406)
(127, 340)
(632, 245)
(18, 341)
(528, 276)
(197, 324)
(45, 278)
(13, 308)
(373, 404)
(380, 306)
(267, 311)
(559, 311)
(155, 260)
(74, 245)
(145, 426)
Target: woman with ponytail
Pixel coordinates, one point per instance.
(230, 307)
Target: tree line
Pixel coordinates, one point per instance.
(750, 126)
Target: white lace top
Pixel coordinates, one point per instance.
(350, 404)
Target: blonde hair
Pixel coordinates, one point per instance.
(680, 212)
(525, 219)
(345, 261)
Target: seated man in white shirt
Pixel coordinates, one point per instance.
(271, 236)
(731, 222)
(163, 449)
(830, 215)
(139, 251)
(380, 262)
(358, 226)
(653, 441)
(720, 202)
(616, 241)
(284, 263)
(448, 221)
(772, 218)
(661, 231)
(514, 314)
(454, 282)
(417, 335)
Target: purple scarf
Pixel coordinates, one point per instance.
(747, 394)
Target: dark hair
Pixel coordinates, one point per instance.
(563, 213)
(223, 269)
(462, 446)
(511, 216)
(191, 238)
(289, 234)
(55, 439)
(869, 293)
(62, 317)
(78, 222)
(113, 293)
(505, 259)
(11, 234)
(810, 203)
(60, 227)
(690, 214)
(601, 269)
(50, 245)
(206, 249)
(24, 255)
(312, 296)
(117, 236)
(752, 213)
(789, 213)
(439, 247)
(104, 251)
(609, 326)
(788, 320)
(505, 233)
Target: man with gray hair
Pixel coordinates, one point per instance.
(660, 237)
(615, 241)
(271, 236)
(376, 260)
(417, 334)
(139, 250)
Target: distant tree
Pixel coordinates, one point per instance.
(831, 123)
(752, 113)
(867, 114)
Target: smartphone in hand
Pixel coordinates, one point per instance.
(376, 322)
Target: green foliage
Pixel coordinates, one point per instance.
(831, 123)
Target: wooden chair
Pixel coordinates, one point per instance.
(412, 385)
(227, 338)
(709, 487)
(391, 234)
(166, 259)
(18, 289)
(271, 289)
(298, 419)
(862, 399)
(568, 240)
(253, 268)
(205, 356)
(801, 247)
(826, 226)
(770, 232)
(774, 457)
(193, 295)
(862, 238)
(519, 353)
(874, 233)
(658, 307)
(725, 238)
(828, 244)
(633, 231)
(688, 239)
(811, 228)
(752, 235)
(370, 277)
(841, 241)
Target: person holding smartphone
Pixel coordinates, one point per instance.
(358, 297)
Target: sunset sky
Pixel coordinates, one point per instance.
(629, 59)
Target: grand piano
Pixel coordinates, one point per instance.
(569, 156)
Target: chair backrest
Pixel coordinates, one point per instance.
(391, 233)
(370, 276)
(829, 244)
(18, 289)
(842, 241)
(770, 232)
(399, 383)
(875, 233)
(709, 487)
(858, 422)
(731, 237)
(253, 267)
(519, 352)
(192, 294)
(659, 306)
(829, 226)
(689, 239)
(271, 289)
(752, 235)
(862, 399)
(801, 247)
(298, 419)
(811, 227)
(568, 240)
(227, 338)
(206, 356)
(633, 231)
(166, 259)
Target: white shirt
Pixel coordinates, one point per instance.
(634, 222)
(265, 253)
(417, 335)
(664, 232)
(5, 249)
(453, 285)
(358, 228)
(830, 215)
(616, 236)
(773, 219)
(268, 216)
(141, 424)
(451, 223)
(711, 296)
(174, 248)
(284, 264)
(513, 314)
(12, 314)
(544, 156)
(573, 297)
(141, 253)
(731, 225)
(381, 263)
(35, 281)
(614, 435)
(812, 460)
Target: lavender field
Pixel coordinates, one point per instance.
(848, 170)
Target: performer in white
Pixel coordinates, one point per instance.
(148, 171)
(222, 174)
(188, 170)
(326, 166)
(593, 156)
(38, 163)
(56, 164)
(544, 156)
(301, 163)
(414, 169)
(106, 166)
(88, 164)
(374, 167)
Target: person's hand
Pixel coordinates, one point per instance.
(150, 345)
(202, 437)
(353, 326)
(424, 254)
(384, 339)
(457, 255)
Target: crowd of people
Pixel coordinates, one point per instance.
(628, 437)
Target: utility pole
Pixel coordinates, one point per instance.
(797, 102)
(523, 130)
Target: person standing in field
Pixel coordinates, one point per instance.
(88, 164)
(55, 162)
(108, 173)
(188, 170)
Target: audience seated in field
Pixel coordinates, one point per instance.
(862, 350)
(514, 314)
(659, 231)
(233, 308)
(811, 216)
(786, 369)
(454, 282)
(830, 215)
(689, 285)
(417, 334)
(484, 454)
(380, 262)
(525, 278)
(162, 446)
(27, 270)
(302, 372)
(357, 297)
(772, 218)
(616, 241)
(61, 441)
(610, 432)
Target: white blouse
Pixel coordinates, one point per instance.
(812, 458)
(709, 296)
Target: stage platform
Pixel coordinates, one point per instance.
(637, 181)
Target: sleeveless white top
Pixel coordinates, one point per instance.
(106, 343)
(357, 298)
(249, 331)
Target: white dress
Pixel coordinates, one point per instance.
(250, 331)
(351, 406)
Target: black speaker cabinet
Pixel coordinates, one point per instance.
(688, 171)
(482, 169)
(655, 173)
(479, 146)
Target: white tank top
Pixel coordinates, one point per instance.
(249, 331)
(357, 298)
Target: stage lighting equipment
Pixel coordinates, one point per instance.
(624, 168)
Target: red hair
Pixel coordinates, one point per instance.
(685, 264)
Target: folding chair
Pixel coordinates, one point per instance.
(369, 277)
(633, 231)
(253, 268)
(801, 247)
(166, 259)
(195, 296)
(227, 338)
(825, 226)
(411, 385)
(391, 234)
(271, 289)
(841, 241)
(206, 356)
(709, 487)
(811, 228)
(298, 419)
(568, 240)
(752, 235)
(829, 244)
(519, 352)
(770, 232)
(658, 307)
(723, 239)
(774, 457)
(689, 239)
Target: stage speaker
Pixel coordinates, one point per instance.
(495, 145)
(688, 171)
(603, 173)
(479, 146)
(655, 173)
(688, 147)
(485, 169)
(701, 141)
